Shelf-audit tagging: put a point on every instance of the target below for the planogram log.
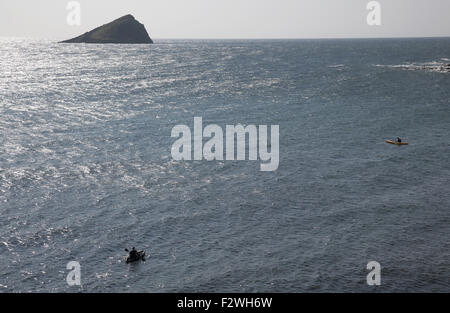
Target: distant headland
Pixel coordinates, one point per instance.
(123, 30)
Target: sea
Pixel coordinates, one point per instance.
(86, 168)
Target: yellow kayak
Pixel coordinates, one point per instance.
(396, 143)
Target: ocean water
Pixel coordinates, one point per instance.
(86, 167)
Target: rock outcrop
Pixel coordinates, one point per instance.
(123, 30)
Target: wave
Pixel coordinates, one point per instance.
(442, 66)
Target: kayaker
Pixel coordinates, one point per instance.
(399, 140)
(133, 254)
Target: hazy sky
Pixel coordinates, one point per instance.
(231, 18)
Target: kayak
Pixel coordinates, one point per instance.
(140, 256)
(396, 143)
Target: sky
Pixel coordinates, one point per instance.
(222, 19)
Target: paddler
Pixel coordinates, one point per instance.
(133, 254)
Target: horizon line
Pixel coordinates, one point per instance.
(257, 38)
(298, 38)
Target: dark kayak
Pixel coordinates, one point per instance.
(140, 257)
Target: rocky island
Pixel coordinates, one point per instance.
(123, 30)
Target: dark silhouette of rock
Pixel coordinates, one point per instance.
(123, 30)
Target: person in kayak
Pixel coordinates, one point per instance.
(133, 254)
(399, 140)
